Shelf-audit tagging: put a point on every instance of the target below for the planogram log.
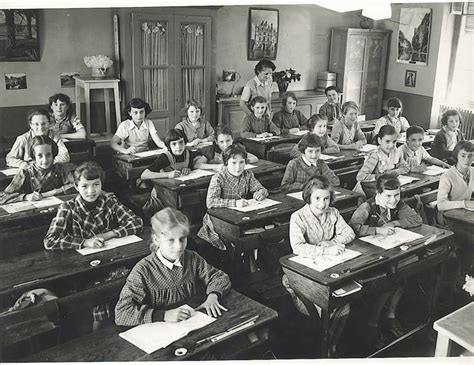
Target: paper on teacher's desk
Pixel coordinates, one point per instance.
(433, 170)
(406, 179)
(150, 337)
(400, 237)
(256, 205)
(195, 174)
(10, 172)
(150, 153)
(368, 147)
(110, 244)
(27, 205)
(324, 262)
(250, 166)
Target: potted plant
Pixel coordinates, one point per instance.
(284, 77)
(99, 64)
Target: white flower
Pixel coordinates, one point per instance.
(98, 61)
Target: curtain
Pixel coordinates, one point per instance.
(192, 55)
(155, 64)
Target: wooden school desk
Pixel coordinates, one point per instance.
(456, 327)
(425, 184)
(343, 159)
(131, 166)
(107, 345)
(180, 194)
(375, 276)
(234, 225)
(262, 147)
(365, 125)
(47, 268)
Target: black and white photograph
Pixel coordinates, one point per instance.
(15, 81)
(237, 183)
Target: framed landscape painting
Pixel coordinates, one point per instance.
(414, 36)
(263, 34)
(19, 35)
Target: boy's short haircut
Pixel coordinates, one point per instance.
(309, 140)
(89, 170)
(287, 95)
(263, 64)
(195, 103)
(38, 111)
(461, 146)
(387, 182)
(314, 119)
(386, 130)
(166, 219)
(224, 129)
(317, 182)
(414, 129)
(450, 113)
(233, 150)
(41, 140)
(258, 99)
(136, 103)
(174, 135)
(61, 97)
(329, 88)
(394, 103)
(349, 105)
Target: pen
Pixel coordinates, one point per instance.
(267, 211)
(229, 330)
(364, 265)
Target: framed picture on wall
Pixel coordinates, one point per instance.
(263, 34)
(414, 36)
(19, 35)
(410, 78)
(456, 8)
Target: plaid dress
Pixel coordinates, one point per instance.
(378, 162)
(203, 130)
(298, 171)
(68, 124)
(285, 120)
(330, 111)
(343, 135)
(224, 190)
(31, 179)
(251, 126)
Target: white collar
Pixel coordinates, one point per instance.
(132, 125)
(166, 262)
(258, 82)
(307, 162)
(378, 201)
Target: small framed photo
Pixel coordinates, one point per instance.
(410, 78)
(457, 8)
(67, 79)
(15, 81)
(263, 34)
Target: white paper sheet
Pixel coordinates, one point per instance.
(27, 205)
(299, 133)
(433, 170)
(195, 174)
(263, 139)
(400, 237)
(321, 263)
(150, 153)
(324, 157)
(368, 148)
(256, 205)
(110, 244)
(150, 337)
(250, 166)
(10, 172)
(406, 179)
(203, 144)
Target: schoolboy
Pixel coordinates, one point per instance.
(380, 216)
(300, 169)
(332, 108)
(40, 124)
(415, 154)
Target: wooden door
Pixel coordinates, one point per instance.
(193, 63)
(355, 62)
(153, 69)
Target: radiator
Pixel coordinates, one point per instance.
(467, 126)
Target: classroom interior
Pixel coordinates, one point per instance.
(314, 41)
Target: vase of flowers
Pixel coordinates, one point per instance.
(99, 65)
(284, 77)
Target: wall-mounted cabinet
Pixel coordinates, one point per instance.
(359, 57)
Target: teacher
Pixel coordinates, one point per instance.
(260, 85)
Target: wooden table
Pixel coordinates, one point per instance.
(130, 166)
(365, 125)
(385, 273)
(106, 345)
(178, 194)
(44, 268)
(344, 158)
(425, 184)
(262, 147)
(455, 327)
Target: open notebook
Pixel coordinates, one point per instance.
(400, 237)
(324, 262)
(28, 205)
(150, 337)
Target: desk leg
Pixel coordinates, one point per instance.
(87, 98)
(443, 346)
(325, 322)
(107, 111)
(78, 104)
